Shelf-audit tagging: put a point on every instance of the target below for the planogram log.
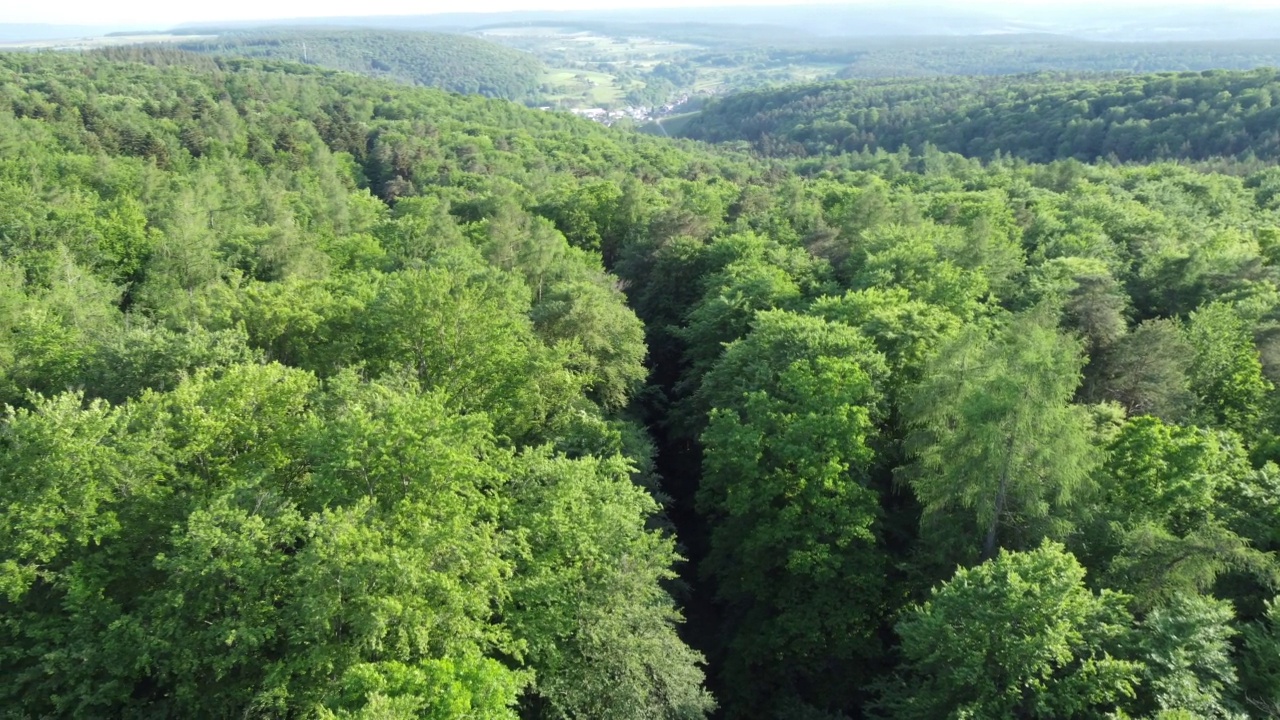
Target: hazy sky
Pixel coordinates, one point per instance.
(167, 12)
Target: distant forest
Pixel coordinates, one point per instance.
(1013, 54)
(1040, 118)
(721, 58)
(451, 62)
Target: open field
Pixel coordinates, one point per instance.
(572, 87)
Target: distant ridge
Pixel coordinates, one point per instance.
(847, 21)
(877, 19)
(1115, 22)
(24, 32)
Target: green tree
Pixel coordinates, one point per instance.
(997, 444)
(1170, 474)
(605, 338)
(1146, 371)
(1093, 304)
(1259, 663)
(1018, 636)
(1226, 372)
(754, 276)
(1186, 649)
(466, 333)
(928, 260)
(795, 552)
(906, 330)
(587, 603)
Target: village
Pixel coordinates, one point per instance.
(636, 114)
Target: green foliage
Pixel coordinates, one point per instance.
(927, 261)
(436, 689)
(206, 491)
(1041, 118)
(794, 547)
(384, 563)
(1166, 498)
(1225, 373)
(1259, 666)
(1000, 452)
(1018, 636)
(332, 397)
(587, 605)
(1186, 646)
(1093, 303)
(313, 457)
(907, 331)
(451, 62)
(606, 339)
(1169, 474)
(1147, 370)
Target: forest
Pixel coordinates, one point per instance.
(1041, 118)
(330, 397)
(1028, 53)
(448, 61)
(649, 63)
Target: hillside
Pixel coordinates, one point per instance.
(451, 62)
(1039, 118)
(325, 396)
(1032, 53)
(647, 64)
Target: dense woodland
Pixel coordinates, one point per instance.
(453, 62)
(763, 46)
(1013, 54)
(329, 397)
(1041, 118)
(648, 64)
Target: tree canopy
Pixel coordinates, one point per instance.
(327, 396)
(1041, 117)
(457, 63)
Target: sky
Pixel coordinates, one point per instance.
(155, 13)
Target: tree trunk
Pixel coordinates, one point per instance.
(989, 544)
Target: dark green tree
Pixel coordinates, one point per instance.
(795, 555)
